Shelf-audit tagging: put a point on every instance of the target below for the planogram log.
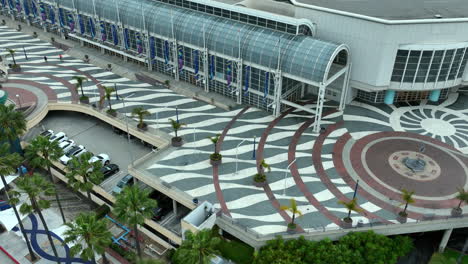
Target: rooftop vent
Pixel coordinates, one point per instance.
(438, 16)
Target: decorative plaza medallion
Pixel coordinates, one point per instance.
(414, 165)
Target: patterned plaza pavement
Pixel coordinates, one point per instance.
(365, 142)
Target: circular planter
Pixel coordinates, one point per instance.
(456, 212)
(259, 184)
(347, 223)
(291, 228)
(177, 141)
(84, 100)
(16, 68)
(111, 113)
(143, 128)
(402, 218)
(216, 162)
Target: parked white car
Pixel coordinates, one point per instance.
(75, 151)
(103, 158)
(59, 137)
(47, 133)
(66, 145)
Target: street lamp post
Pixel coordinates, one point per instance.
(19, 100)
(237, 160)
(286, 175)
(128, 132)
(253, 152)
(116, 93)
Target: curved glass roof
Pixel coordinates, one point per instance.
(301, 56)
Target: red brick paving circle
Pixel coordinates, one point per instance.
(452, 176)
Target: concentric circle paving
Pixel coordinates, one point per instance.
(379, 160)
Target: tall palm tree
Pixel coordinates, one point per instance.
(263, 165)
(352, 205)
(35, 187)
(90, 172)
(407, 197)
(12, 54)
(8, 163)
(293, 209)
(197, 248)
(79, 83)
(12, 123)
(41, 153)
(176, 126)
(462, 196)
(141, 113)
(87, 230)
(107, 94)
(133, 206)
(215, 140)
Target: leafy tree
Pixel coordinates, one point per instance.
(293, 209)
(89, 235)
(198, 248)
(8, 163)
(140, 112)
(12, 54)
(12, 123)
(462, 195)
(133, 206)
(90, 172)
(263, 165)
(176, 126)
(79, 83)
(407, 197)
(35, 187)
(41, 153)
(352, 205)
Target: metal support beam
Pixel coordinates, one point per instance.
(206, 75)
(320, 102)
(174, 207)
(278, 81)
(344, 91)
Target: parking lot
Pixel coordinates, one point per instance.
(97, 137)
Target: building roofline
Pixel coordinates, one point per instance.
(380, 20)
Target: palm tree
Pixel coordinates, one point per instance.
(463, 197)
(87, 230)
(12, 123)
(141, 113)
(133, 206)
(107, 94)
(293, 209)
(90, 172)
(79, 83)
(41, 153)
(176, 126)
(352, 205)
(197, 248)
(35, 187)
(215, 140)
(12, 54)
(8, 163)
(263, 165)
(407, 197)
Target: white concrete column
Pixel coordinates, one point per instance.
(445, 239)
(239, 81)
(174, 207)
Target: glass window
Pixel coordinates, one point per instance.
(435, 65)
(424, 66)
(463, 64)
(446, 65)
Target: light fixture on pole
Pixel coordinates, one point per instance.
(116, 93)
(237, 160)
(19, 100)
(253, 153)
(128, 132)
(286, 175)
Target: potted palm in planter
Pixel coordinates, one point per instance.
(79, 86)
(176, 141)
(140, 112)
(215, 158)
(15, 67)
(260, 177)
(463, 197)
(407, 197)
(352, 205)
(107, 95)
(293, 209)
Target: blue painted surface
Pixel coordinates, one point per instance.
(434, 96)
(389, 97)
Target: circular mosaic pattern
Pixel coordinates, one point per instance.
(430, 172)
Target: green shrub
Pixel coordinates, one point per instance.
(102, 210)
(216, 156)
(260, 177)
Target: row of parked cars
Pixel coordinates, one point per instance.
(70, 150)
